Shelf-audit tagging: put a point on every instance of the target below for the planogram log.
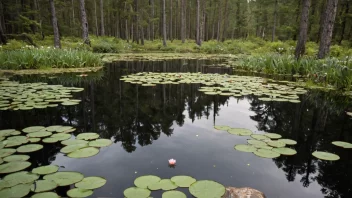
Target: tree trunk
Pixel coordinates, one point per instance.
(344, 21)
(96, 18)
(85, 34)
(135, 23)
(102, 28)
(183, 21)
(219, 22)
(164, 24)
(170, 25)
(275, 18)
(3, 39)
(303, 29)
(225, 22)
(328, 26)
(198, 24)
(151, 19)
(57, 43)
(126, 24)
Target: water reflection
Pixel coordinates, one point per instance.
(135, 115)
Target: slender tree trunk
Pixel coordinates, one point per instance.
(198, 24)
(3, 39)
(238, 19)
(219, 22)
(170, 25)
(135, 22)
(85, 34)
(344, 21)
(328, 26)
(96, 18)
(102, 28)
(57, 43)
(126, 24)
(275, 19)
(303, 29)
(164, 24)
(223, 34)
(183, 21)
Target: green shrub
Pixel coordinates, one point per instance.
(13, 45)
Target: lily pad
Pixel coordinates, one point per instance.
(259, 137)
(174, 194)
(221, 127)
(63, 129)
(11, 167)
(87, 136)
(22, 177)
(39, 134)
(277, 144)
(135, 192)
(73, 141)
(20, 190)
(50, 140)
(285, 151)
(34, 140)
(288, 141)
(100, 143)
(43, 185)
(6, 132)
(76, 192)
(342, 144)
(263, 146)
(245, 148)
(33, 129)
(7, 152)
(256, 142)
(84, 152)
(273, 135)
(325, 156)
(61, 136)
(164, 184)
(46, 195)
(90, 183)
(64, 178)
(146, 180)
(53, 128)
(71, 148)
(183, 181)
(45, 170)
(207, 189)
(14, 158)
(265, 153)
(29, 148)
(239, 131)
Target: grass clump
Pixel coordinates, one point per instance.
(47, 57)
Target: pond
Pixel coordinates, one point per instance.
(150, 125)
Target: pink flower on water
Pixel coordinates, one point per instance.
(172, 162)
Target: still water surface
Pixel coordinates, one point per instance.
(150, 125)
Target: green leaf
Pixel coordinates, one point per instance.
(64, 129)
(6, 152)
(46, 195)
(259, 137)
(288, 141)
(239, 131)
(13, 167)
(84, 152)
(72, 142)
(100, 143)
(256, 142)
(164, 184)
(325, 156)
(276, 144)
(13, 158)
(90, 183)
(342, 144)
(265, 153)
(285, 151)
(273, 135)
(135, 192)
(183, 181)
(20, 190)
(43, 185)
(34, 140)
(29, 148)
(53, 128)
(61, 136)
(65, 178)
(207, 189)
(44, 170)
(33, 129)
(245, 148)
(174, 194)
(71, 148)
(222, 128)
(87, 136)
(76, 192)
(39, 134)
(144, 181)
(13, 179)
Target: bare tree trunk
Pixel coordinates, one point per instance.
(170, 25)
(275, 19)
(85, 33)
(135, 23)
(3, 39)
(328, 26)
(183, 21)
(96, 18)
(202, 23)
(102, 28)
(57, 43)
(164, 24)
(126, 24)
(219, 23)
(222, 38)
(303, 29)
(198, 24)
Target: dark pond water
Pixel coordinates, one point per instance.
(150, 125)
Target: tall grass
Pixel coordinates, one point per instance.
(47, 57)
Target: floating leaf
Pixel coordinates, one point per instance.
(20, 190)
(46, 195)
(11, 167)
(256, 142)
(288, 141)
(43, 185)
(76, 192)
(273, 135)
(100, 143)
(276, 144)
(53, 128)
(259, 137)
(6, 152)
(72, 142)
(14, 158)
(34, 140)
(84, 152)
(240, 131)
(222, 128)
(63, 129)
(135, 192)
(285, 151)
(33, 129)
(89, 183)
(183, 181)
(64, 178)
(164, 184)
(144, 181)
(245, 148)
(29, 148)
(44, 170)
(174, 194)
(50, 140)
(61, 136)
(265, 153)
(13, 179)
(207, 189)
(87, 136)
(6, 132)
(342, 144)
(39, 134)
(263, 146)
(325, 156)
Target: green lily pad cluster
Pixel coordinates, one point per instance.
(226, 85)
(331, 156)
(28, 96)
(203, 188)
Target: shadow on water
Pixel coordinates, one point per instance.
(135, 116)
